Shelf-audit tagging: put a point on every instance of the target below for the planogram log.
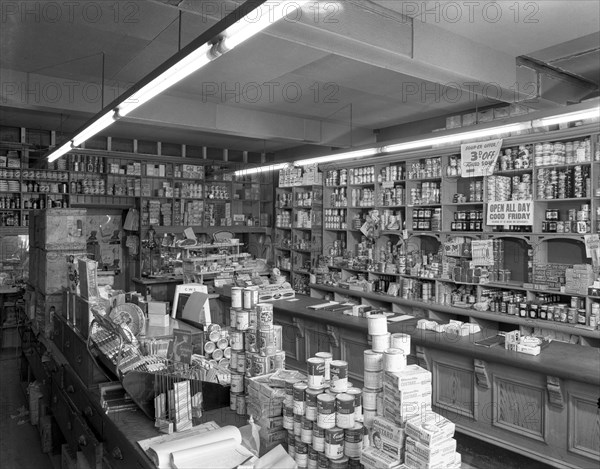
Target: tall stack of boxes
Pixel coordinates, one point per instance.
(256, 353)
(57, 237)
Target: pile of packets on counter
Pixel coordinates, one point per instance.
(325, 421)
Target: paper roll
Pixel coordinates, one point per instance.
(188, 458)
(160, 453)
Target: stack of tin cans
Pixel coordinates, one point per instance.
(255, 343)
(323, 416)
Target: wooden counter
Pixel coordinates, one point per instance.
(545, 406)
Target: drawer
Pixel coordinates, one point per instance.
(119, 452)
(58, 331)
(87, 443)
(82, 400)
(76, 353)
(63, 413)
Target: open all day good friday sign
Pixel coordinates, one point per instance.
(479, 159)
(510, 213)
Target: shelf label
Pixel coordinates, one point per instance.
(389, 184)
(510, 213)
(479, 158)
(482, 252)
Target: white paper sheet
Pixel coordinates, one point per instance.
(226, 454)
(277, 458)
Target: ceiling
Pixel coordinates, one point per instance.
(334, 75)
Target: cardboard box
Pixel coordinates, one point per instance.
(373, 458)
(413, 376)
(58, 229)
(429, 428)
(83, 315)
(437, 453)
(392, 437)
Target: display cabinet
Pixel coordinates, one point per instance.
(430, 214)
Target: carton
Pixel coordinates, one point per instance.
(413, 376)
(429, 428)
(392, 437)
(431, 454)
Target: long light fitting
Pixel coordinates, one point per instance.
(248, 20)
(568, 117)
(260, 169)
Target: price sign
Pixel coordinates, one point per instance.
(482, 252)
(479, 158)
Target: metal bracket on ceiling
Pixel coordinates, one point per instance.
(543, 68)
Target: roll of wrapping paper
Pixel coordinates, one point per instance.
(160, 453)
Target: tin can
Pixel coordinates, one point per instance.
(340, 463)
(310, 411)
(316, 372)
(299, 397)
(344, 410)
(301, 456)
(394, 360)
(297, 426)
(240, 361)
(373, 361)
(334, 443)
(373, 379)
(322, 460)
(328, 357)
(318, 442)
(307, 426)
(266, 342)
(402, 342)
(276, 361)
(288, 417)
(381, 342)
(581, 317)
(357, 394)
(264, 313)
(353, 439)
(370, 398)
(233, 316)
(326, 410)
(240, 408)
(291, 441)
(236, 339)
(236, 298)
(339, 376)
(242, 320)
(259, 365)
(313, 457)
(232, 401)
(377, 324)
(237, 382)
(251, 341)
(247, 297)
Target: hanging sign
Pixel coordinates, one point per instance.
(479, 158)
(519, 212)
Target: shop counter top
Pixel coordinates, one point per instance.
(568, 361)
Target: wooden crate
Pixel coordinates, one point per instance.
(58, 228)
(53, 269)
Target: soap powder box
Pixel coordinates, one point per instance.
(373, 458)
(437, 453)
(429, 428)
(392, 437)
(412, 376)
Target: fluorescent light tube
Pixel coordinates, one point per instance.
(260, 169)
(56, 154)
(339, 156)
(568, 117)
(97, 126)
(455, 137)
(259, 19)
(185, 67)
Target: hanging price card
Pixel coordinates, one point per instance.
(479, 158)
